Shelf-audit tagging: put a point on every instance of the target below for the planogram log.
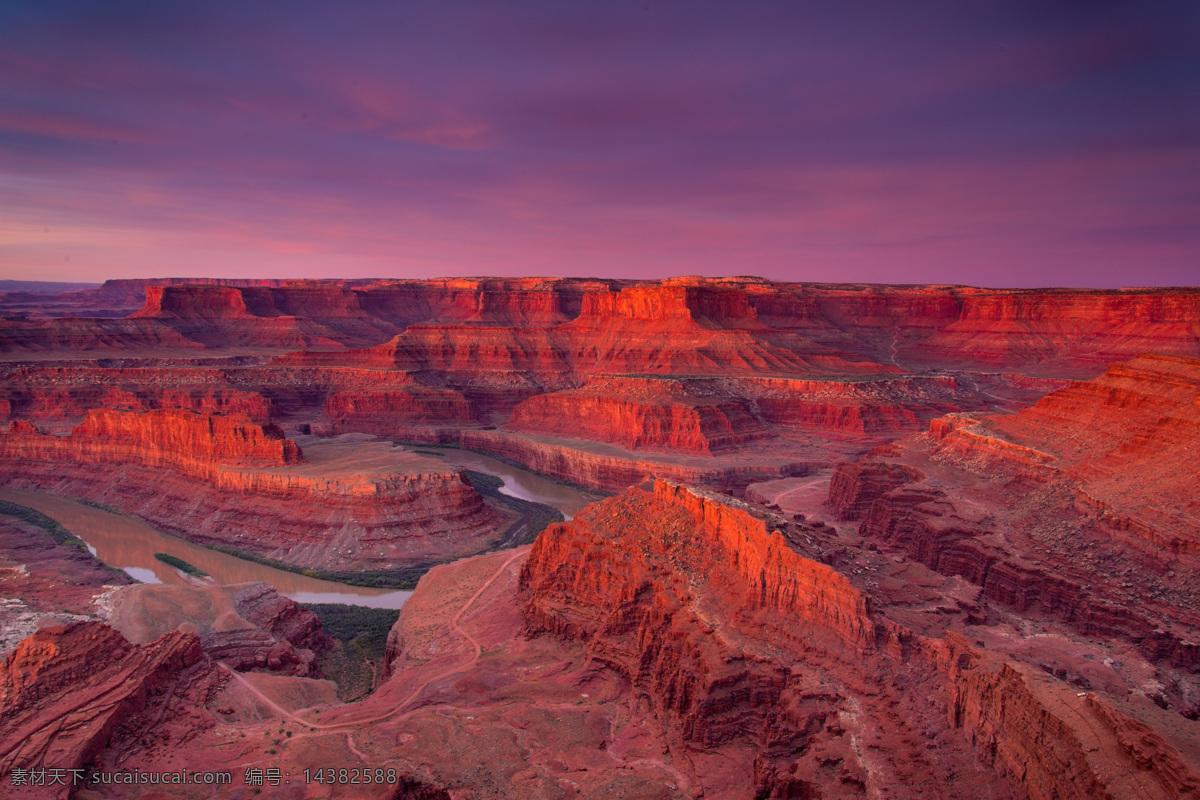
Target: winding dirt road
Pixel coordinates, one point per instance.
(454, 623)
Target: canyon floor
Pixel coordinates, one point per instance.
(846, 541)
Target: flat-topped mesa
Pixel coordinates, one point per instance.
(641, 414)
(193, 443)
(133, 290)
(347, 505)
(672, 303)
(206, 302)
(496, 301)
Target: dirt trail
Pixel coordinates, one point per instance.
(454, 623)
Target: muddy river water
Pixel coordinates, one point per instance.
(130, 544)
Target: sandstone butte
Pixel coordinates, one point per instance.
(963, 565)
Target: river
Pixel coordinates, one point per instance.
(130, 544)
(518, 483)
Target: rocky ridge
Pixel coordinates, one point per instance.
(679, 591)
(1094, 528)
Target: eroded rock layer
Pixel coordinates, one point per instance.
(642, 414)
(246, 626)
(65, 692)
(1000, 604)
(231, 482)
(743, 646)
(667, 642)
(1096, 527)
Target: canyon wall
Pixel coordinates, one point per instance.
(1087, 526)
(66, 690)
(744, 648)
(198, 445)
(681, 594)
(641, 414)
(225, 481)
(761, 326)
(1053, 741)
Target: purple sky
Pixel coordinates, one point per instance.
(1007, 143)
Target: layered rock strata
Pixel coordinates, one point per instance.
(740, 645)
(246, 626)
(231, 482)
(641, 414)
(1095, 527)
(1045, 330)
(612, 469)
(65, 692)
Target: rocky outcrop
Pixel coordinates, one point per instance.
(246, 626)
(861, 407)
(753, 326)
(614, 469)
(230, 482)
(194, 444)
(385, 412)
(1055, 742)
(1127, 456)
(675, 302)
(1043, 330)
(679, 592)
(642, 414)
(72, 404)
(1085, 527)
(855, 486)
(65, 691)
(718, 623)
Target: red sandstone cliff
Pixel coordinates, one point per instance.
(1086, 521)
(742, 645)
(194, 444)
(694, 600)
(1124, 441)
(385, 412)
(641, 414)
(752, 325)
(64, 692)
(230, 482)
